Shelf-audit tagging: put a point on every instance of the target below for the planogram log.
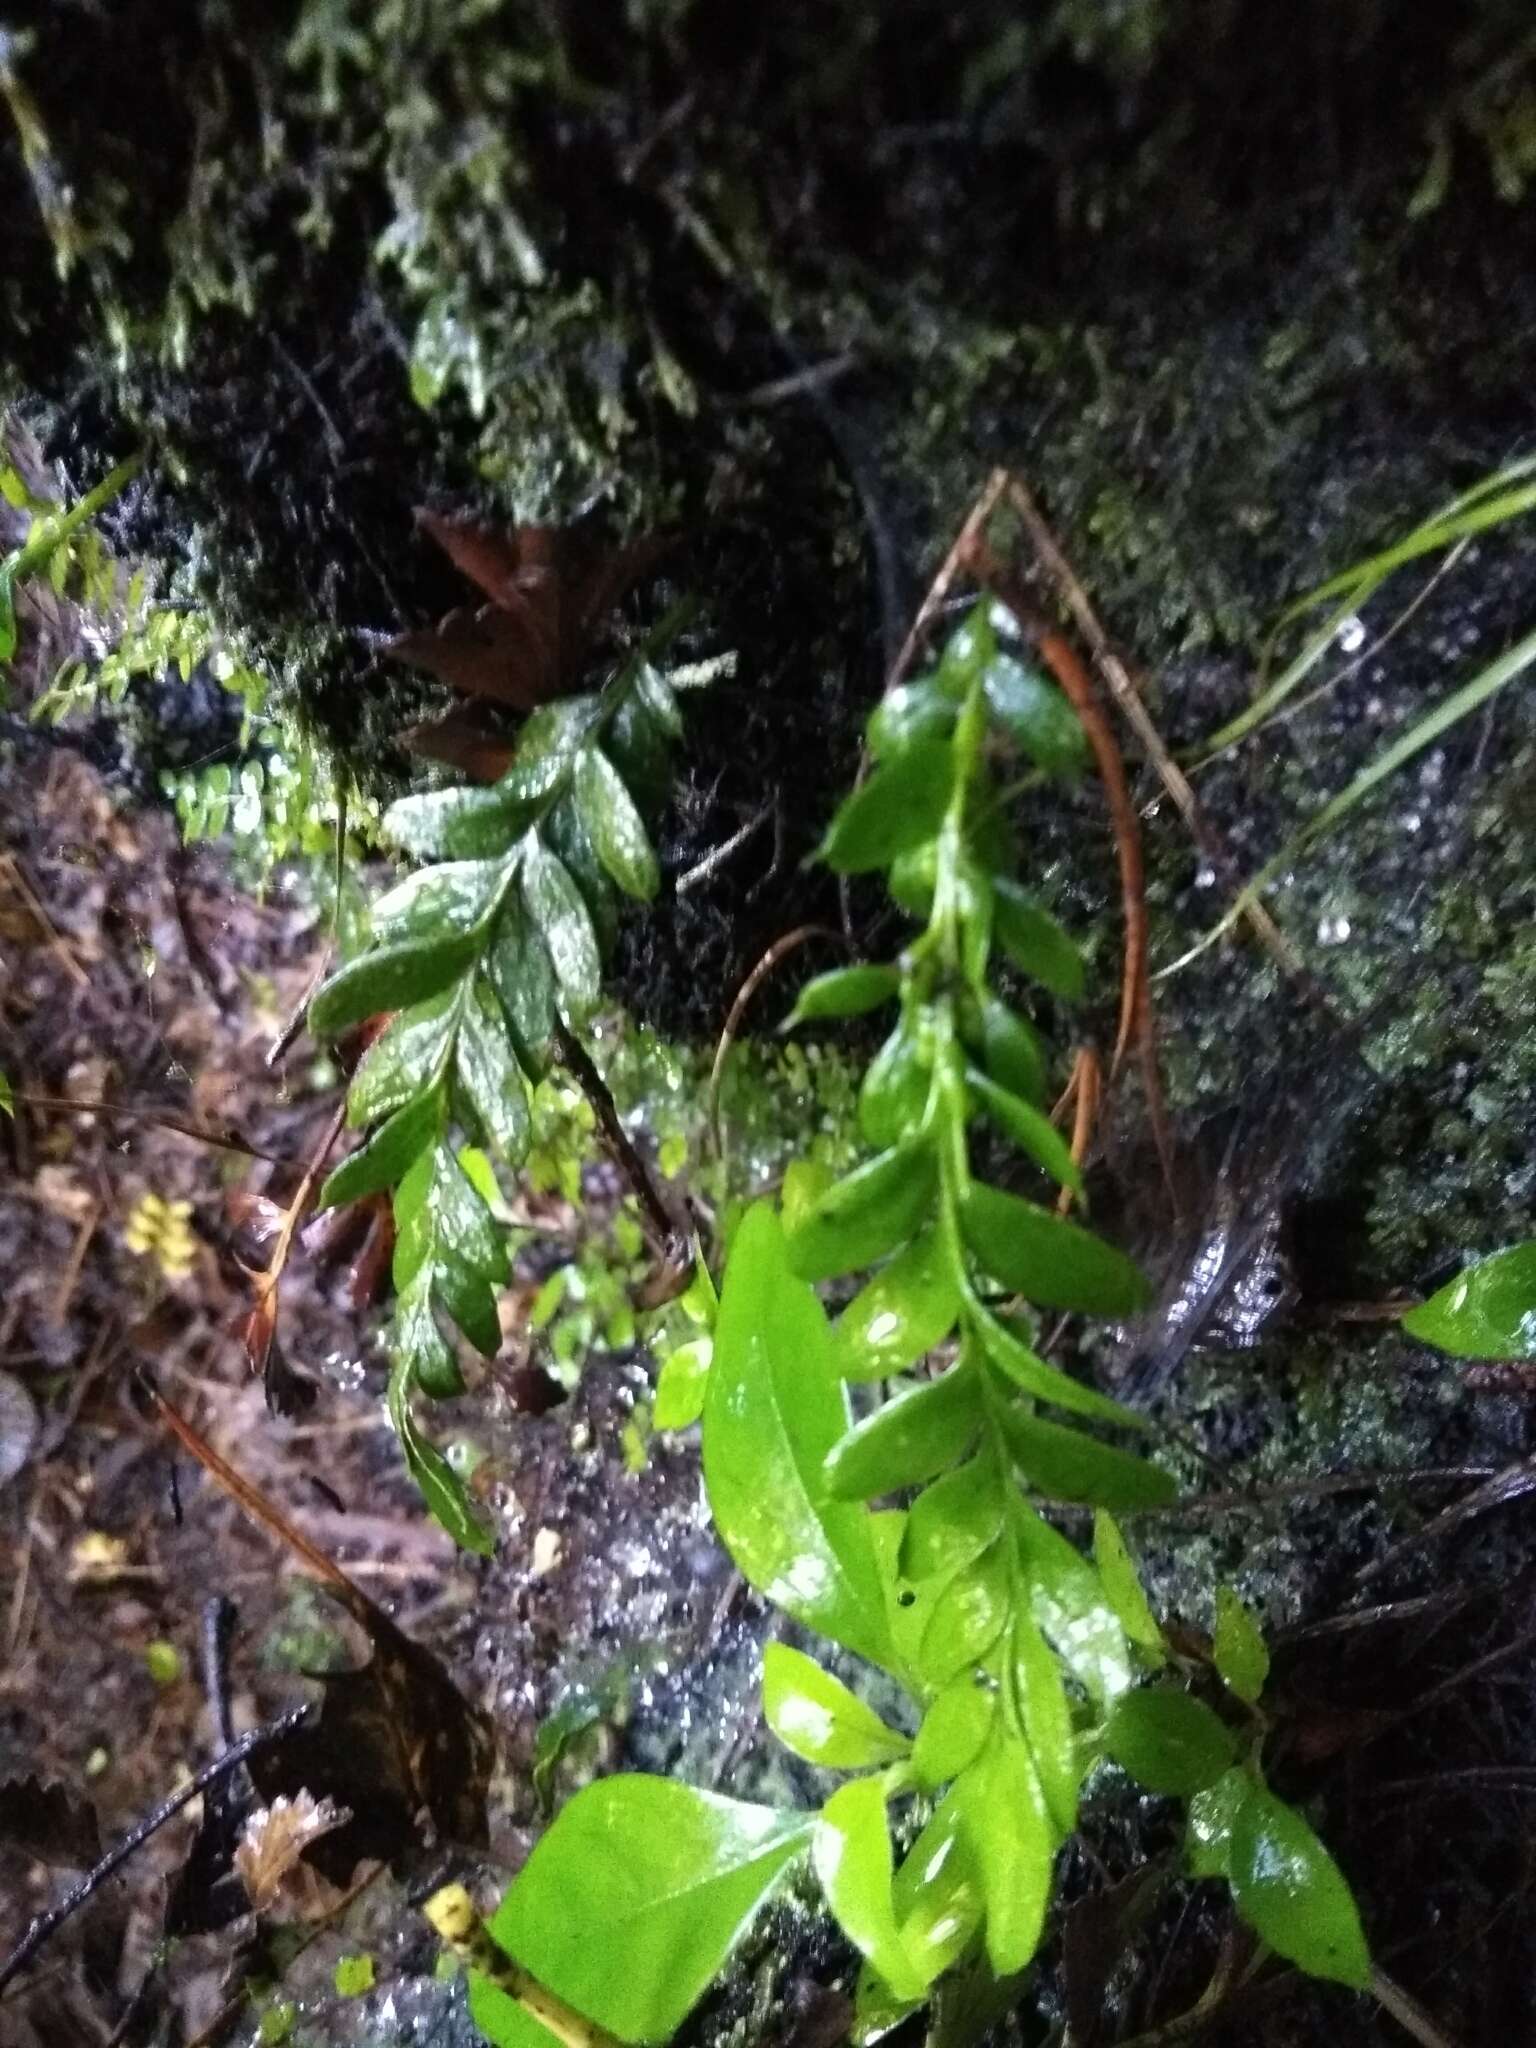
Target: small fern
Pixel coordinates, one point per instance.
(481, 955)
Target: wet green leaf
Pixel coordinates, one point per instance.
(1487, 1311)
(437, 1206)
(901, 804)
(614, 826)
(773, 1410)
(907, 1308)
(1068, 1603)
(1012, 1843)
(490, 1075)
(805, 1182)
(818, 1718)
(907, 1440)
(405, 1059)
(968, 1615)
(565, 833)
(866, 1214)
(1034, 941)
(1008, 1047)
(518, 968)
(1292, 1893)
(560, 915)
(1052, 1262)
(671, 1875)
(441, 1488)
(851, 1853)
(1036, 714)
(953, 1521)
(388, 1154)
(681, 1384)
(460, 824)
(450, 898)
(1238, 1647)
(468, 1298)
(968, 650)
(954, 1729)
(895, 1089)
(938, 1894)
(846, 992)
(659, 699)
(1067, 1464)
(916, 713)
(1017, 1362)
(1122, 1588)
(1045, 1715)
(1208, 1829)
(390, 978)
(502, 2020)
(1029, 1129)
(1169, 1742)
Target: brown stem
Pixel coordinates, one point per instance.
(671, 1226)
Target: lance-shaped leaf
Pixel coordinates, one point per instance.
(901, 804)
(388, 1155)
(1067, 1464)
(390, 978)
(851, 1852)
(1043, 1712)
(614, 826)
(559, 912)
(1292, 1893)
(1068, 1603)
(452, 897)
(866, 1214)
(909, 1439)
(774, 1409)
(490, 1076)
(1025, 1126)
(405, 1059)
(1049, 1260)
(846, 992)
(816, 1716)
(1238, 1647)
(1034, 941)
(416, 1337)
(1015, 1360)
(1012, 1842)
(907, 1308)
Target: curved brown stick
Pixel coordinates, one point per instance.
(1082, 1091)
(1061, 658)
(749, 988)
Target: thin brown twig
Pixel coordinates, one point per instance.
(668, 1218)
(777, 952)
(55, 939)
(1136, 1021)
(1122, 687)
(952, 565)
(88, 1105)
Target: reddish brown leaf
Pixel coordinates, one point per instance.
(500, 654)
(550, 590)
(500, 564)
(459, 741)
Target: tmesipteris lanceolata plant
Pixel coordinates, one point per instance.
(1021, 1663)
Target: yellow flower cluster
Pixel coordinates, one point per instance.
(162, 1231)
